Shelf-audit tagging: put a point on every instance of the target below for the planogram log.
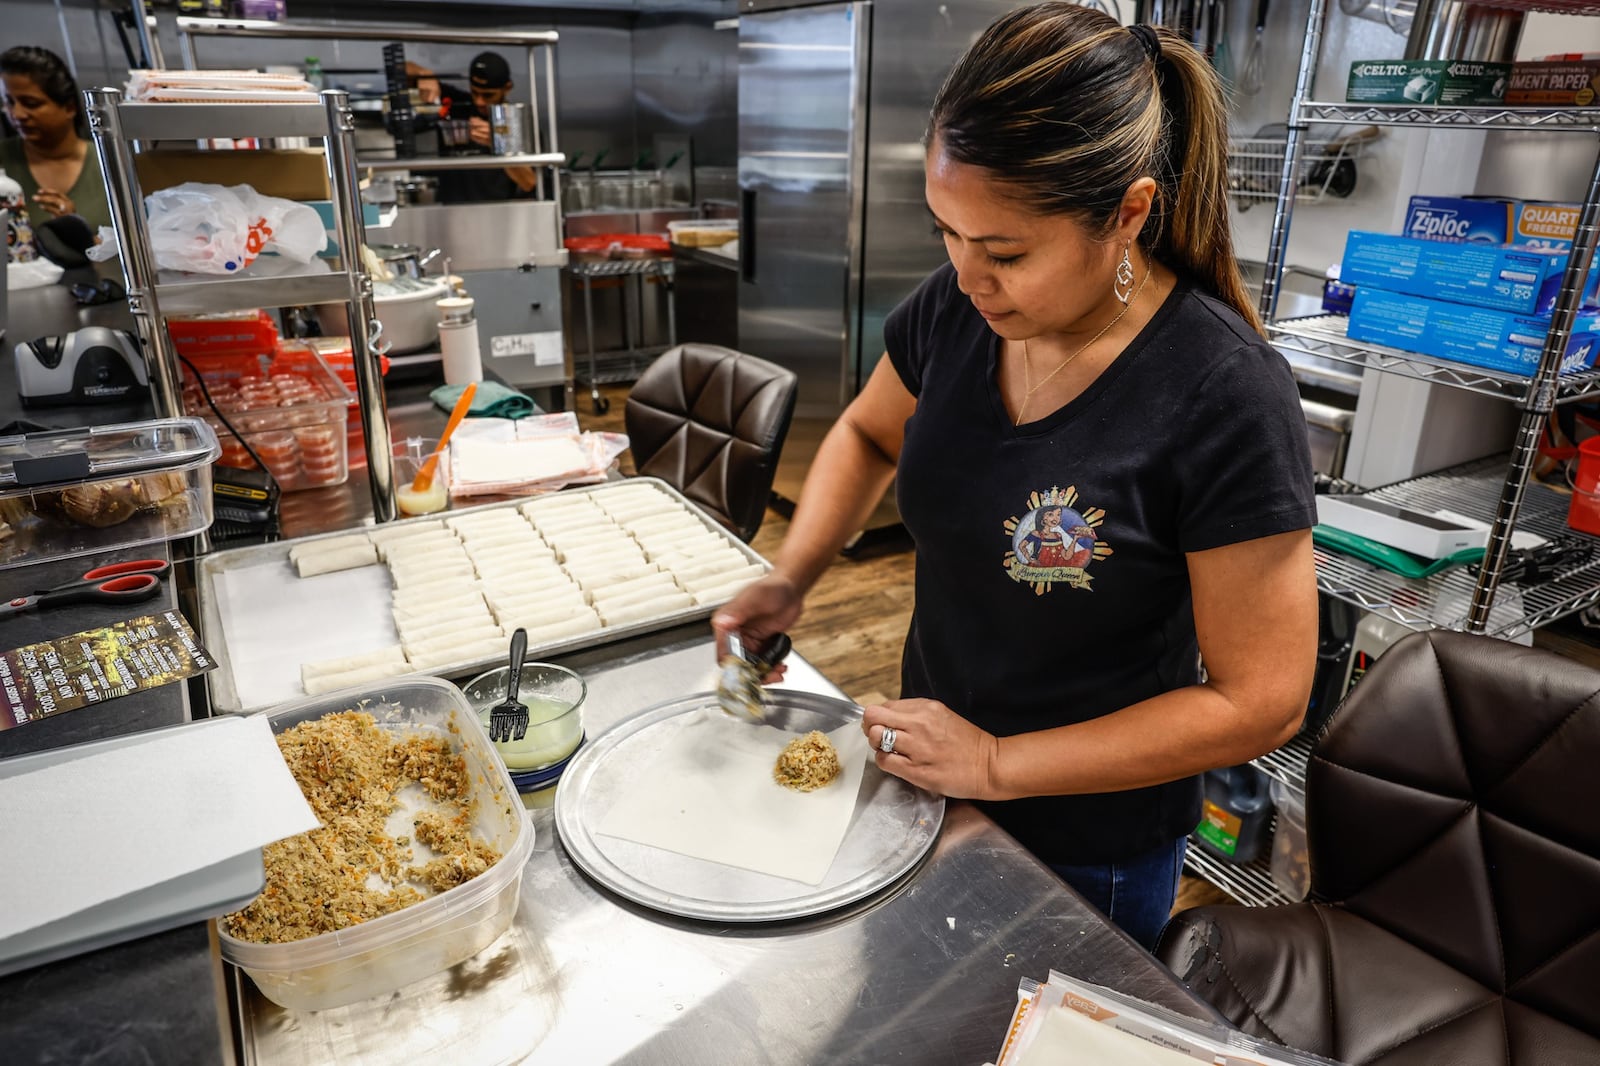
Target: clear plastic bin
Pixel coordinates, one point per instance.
(377, 957)
(703, 232)
(74, 492)
(1291, 855)
(292, 412)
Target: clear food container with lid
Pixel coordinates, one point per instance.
(291, 409)
(70, 492)
(378, 956)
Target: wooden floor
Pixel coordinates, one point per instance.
(856, 617)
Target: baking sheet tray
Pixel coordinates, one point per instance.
(351, 614)
(893, 826)
(203, 894)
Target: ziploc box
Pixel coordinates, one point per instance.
(1480, 336)
(1525, 280)
(1455, 218)
(1488, 220)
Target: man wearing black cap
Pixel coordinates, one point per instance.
(490, 82)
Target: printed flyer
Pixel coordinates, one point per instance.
(38, 680)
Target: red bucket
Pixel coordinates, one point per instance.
(1583, 513)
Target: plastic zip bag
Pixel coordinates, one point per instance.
(214, 229)
(1058, 1021)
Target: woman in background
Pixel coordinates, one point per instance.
(50, 159)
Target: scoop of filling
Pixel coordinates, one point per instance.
(807, 763)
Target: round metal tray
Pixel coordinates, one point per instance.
(893, 826)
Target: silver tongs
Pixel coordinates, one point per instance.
(739, 674)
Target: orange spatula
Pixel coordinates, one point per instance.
(424, 476)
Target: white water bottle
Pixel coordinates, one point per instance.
(458, 340)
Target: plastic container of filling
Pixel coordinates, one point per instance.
(1236, 814)
(1291, 852)
(379, 956)
(75, 491)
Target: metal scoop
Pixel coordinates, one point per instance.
(739, 674)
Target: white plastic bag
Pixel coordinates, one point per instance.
(33, 274)
(215, 229)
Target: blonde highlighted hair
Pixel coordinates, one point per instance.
(1068, 108)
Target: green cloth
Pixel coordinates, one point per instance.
(493, 400)
(88, 194)
(1392, 559)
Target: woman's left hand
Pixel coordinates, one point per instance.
(57, 203)
(934, 747)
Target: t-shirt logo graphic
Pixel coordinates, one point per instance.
(1053, 543)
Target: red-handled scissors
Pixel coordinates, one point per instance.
(130, 582)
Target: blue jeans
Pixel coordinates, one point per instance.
(1136, 894)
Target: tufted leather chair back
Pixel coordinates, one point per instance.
(1453, 814)
(1455, 802)
(710, 422)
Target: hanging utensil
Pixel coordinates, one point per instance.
(1255, 63)
(1222, 58)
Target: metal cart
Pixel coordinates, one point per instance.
(629, 361)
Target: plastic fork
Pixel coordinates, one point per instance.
(508, 720)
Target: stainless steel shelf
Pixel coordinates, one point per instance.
(616, 367)
(1288, 763)
(1512, 118)
(353, 31)
(200, 122)
(1324, 336)
(464, 162)
(240, 294)
(1250, 884)
(1443, 600)
(616, 268)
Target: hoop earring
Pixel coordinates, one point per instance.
(1122, 287)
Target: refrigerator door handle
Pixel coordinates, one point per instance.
(747, 234)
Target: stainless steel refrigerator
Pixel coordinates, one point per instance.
(833, 105)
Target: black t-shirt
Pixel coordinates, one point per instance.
(1029, 618)
(472, 186)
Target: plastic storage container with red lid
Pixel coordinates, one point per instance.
(290, 408)
(71, 492)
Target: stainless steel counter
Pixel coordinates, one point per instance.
(925, 973)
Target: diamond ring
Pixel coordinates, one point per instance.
(886, 741)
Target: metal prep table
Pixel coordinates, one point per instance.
(925, 973)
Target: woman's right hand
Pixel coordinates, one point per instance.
(760, 611)
(55, 202)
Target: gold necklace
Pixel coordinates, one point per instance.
(1029, 390)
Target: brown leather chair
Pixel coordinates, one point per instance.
(710, 422)
(1453, 813)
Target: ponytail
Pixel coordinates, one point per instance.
(1070, 108)
(1194, 234)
